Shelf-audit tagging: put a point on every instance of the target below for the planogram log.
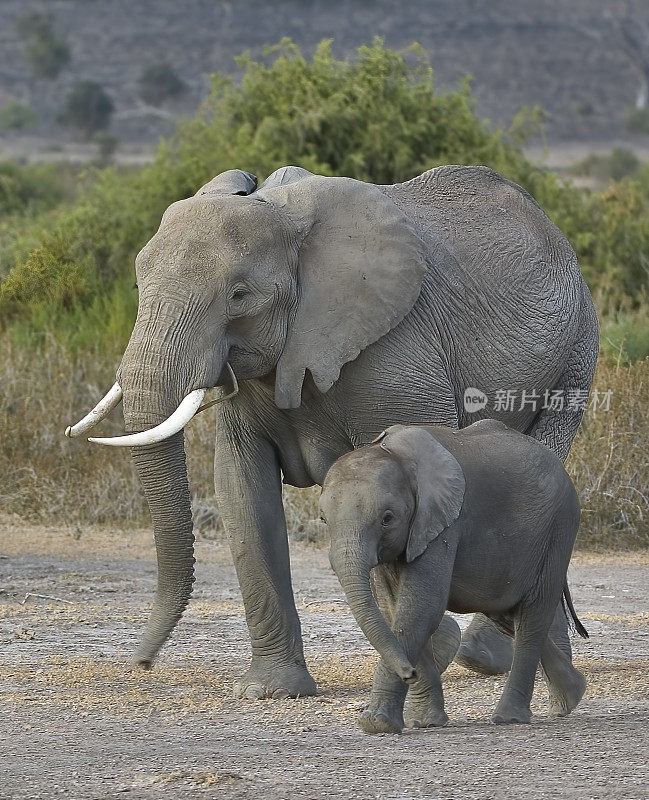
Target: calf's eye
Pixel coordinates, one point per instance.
(387, 518)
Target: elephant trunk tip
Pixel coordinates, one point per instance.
(145, 664)
(408, 674)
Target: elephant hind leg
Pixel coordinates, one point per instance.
(557, 427)
(566, 684)
(531, 622)
(484, 648)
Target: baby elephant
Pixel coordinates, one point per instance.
(478, 519)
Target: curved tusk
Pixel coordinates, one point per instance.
(235, 391)
(99, 412)
(176, 422)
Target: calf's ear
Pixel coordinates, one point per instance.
(436, 478)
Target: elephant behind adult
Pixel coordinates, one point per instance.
(343, 308)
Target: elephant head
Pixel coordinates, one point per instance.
(302, 273)
(386, 501)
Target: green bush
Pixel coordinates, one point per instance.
(17, 115)
(618, 164)
(638, 120)
(379, 118)
(46, 52)
(106, 146)
(625, 335)
(159, 82)
(87, 108)
(29, 187)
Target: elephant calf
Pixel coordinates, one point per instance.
(479, 519)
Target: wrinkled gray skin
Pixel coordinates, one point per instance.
(480, 519)
(343, 308)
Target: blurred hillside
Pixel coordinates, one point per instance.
(585, 62)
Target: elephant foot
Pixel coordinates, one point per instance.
(425, 716)
(266, 678)
(508, 712)
(445, 642)
(380, 722)
(566, 696)
(484, 649)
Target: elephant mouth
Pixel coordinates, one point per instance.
(190, 405)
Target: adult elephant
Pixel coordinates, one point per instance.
(342, 307)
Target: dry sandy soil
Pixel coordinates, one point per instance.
(77, 722)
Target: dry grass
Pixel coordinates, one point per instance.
(609, 461)
(85, 685)
(48, 479)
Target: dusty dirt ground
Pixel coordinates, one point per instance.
(77, 722)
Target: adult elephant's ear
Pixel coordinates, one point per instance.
(436, 478)
(232, 181)
(360, 269)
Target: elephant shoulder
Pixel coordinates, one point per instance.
(466, 182)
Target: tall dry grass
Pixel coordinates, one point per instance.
(47, 478)
(609, 460)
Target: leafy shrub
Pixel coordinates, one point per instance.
(106, 146)
(87, 108)
(17, 115)
(638, 120)
(29, 187)
(46, 52)
(379, 118)
(625, 335)
(616, 165)
(159, 82)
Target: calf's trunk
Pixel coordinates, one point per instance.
(353, 570)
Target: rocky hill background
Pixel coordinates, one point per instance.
(583, 61)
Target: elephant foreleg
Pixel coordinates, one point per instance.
(425, 708)
(416, 614)
(248, 490)
(425, 699)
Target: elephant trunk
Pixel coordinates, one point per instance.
(155, 380)
(162, 470)
(352, 566)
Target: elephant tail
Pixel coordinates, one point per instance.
(571, 614)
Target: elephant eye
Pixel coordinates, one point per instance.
(387, 518)
(239, 294)
(322, 519)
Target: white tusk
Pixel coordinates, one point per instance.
(173, 424)
(99, 412)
